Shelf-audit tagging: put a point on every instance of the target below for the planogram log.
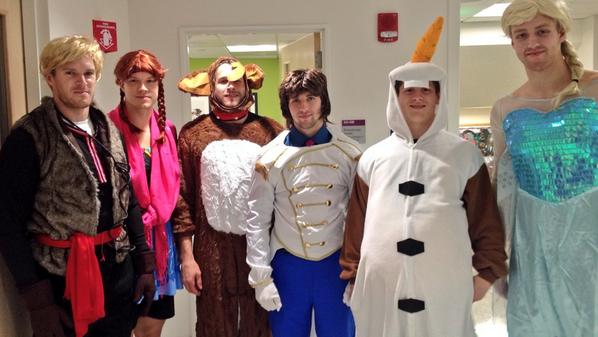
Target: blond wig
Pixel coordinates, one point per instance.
(521, 11)
(67, 49)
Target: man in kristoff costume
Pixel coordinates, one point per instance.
(67, 217)
(217, 152)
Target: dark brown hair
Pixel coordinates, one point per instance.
(298, 82)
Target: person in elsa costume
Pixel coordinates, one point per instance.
(546, 149)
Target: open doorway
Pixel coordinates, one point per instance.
(277, 50)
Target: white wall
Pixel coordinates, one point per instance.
(49, 19)
(588, 41)
(355, 63)
(595, 41)
(585, 45)
(487, 73)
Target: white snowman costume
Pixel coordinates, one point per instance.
(421, 214)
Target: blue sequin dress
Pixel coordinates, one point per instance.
(547, 190)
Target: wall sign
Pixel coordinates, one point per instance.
(354, 128)
(104, 32)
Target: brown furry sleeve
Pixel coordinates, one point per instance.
(486, 231)
(351, 249)
(182, 217)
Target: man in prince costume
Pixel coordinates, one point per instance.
(304, 178)
(546, 148)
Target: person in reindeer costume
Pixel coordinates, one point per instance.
(421, 202)
(217, 153)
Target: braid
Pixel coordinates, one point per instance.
(576, 68)
(121, 104)
(161, 112)
(123, 115)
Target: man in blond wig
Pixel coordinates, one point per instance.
(546, 148)
(70, 229)
(421, 203)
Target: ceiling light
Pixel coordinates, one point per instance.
(244, 48)
(486, 40)
(495, 10)
(482, 34)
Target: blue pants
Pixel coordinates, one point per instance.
(304, 286)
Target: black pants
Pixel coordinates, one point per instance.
(121, 312)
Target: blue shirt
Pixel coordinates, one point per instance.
(297, 139)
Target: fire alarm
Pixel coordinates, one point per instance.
(388, 27)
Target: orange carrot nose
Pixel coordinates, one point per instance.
(427, 44)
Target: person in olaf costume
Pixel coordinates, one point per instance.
(421, 203)
(304, 178)
(217, 152)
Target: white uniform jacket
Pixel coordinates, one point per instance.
(304, 191)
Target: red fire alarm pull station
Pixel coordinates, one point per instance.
(388, 27)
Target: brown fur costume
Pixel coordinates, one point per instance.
(227, 305)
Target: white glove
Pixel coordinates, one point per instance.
(348, 293)
(267, 296)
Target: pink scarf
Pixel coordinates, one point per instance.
(159, 199)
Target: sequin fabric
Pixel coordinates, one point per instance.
(555, 154)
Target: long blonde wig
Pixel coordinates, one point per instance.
(521, 11)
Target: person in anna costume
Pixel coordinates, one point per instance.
(421, 203)
(150, 140)
(546, 149)
(217, 153)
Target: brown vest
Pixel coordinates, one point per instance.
(67, 197)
